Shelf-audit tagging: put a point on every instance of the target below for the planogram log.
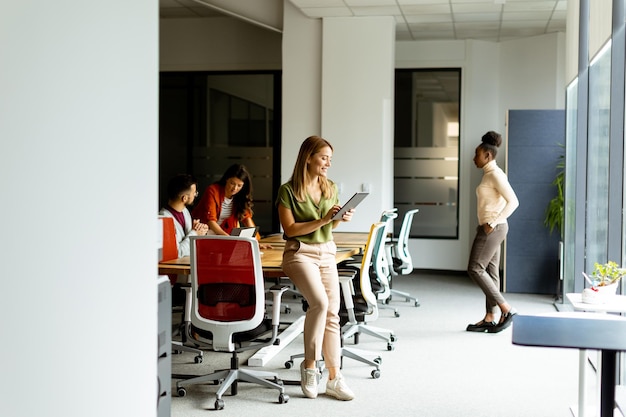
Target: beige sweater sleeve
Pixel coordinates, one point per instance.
(496, 198)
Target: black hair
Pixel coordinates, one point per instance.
(491, 141)
(179, 185)
(242, 201)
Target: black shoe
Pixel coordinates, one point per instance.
(506, 320)
(482, 327)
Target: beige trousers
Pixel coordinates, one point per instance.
(313, 270)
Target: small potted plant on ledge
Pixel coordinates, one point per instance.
(604, 281)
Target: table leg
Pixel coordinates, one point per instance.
(582, 382)
(607, 395)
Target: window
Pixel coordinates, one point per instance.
(597, 216)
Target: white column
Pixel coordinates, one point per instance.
(357, 109)
(78, 174)
(302, 63)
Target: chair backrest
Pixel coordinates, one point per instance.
(169, 249)
(383, 264)
(402, 246)
(375, 244)
(227, 286)
(380, 268)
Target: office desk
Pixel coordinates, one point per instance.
(342, 239)
(271, 259)
(616, 304)
(579, 330)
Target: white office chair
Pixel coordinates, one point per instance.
(362, 305)
(399, 257)
(380, 264)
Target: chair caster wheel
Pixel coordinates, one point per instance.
(417, 304)
(393, 338)
(283, 398)
(289, 364)
(390, 346)
(181, 392)
(198, 359)
(375, 374)
(396, 314)
(219, 404)
(378, 360)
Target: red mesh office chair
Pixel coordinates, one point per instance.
(228, 309)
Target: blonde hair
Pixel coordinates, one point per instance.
(310, 146)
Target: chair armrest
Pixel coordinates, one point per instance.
(281, 287)
(277, 291)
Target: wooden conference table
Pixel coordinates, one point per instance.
(342, 239)
(271, 260)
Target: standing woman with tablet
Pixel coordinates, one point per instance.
(306, 205)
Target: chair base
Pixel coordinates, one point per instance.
(346, 352)
(355, 329)
(178, 347)
(228, 378)
(382, 305)
(360, 355)
(407, 297)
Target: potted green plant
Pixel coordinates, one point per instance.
(606, 274)
(604, 281)
(554, 213)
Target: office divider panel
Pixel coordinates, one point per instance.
(534, 139)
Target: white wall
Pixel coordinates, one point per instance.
(496, 77)
(302, 60)
(78, 174)
(217, 44)
(357, 111)
(540, 59)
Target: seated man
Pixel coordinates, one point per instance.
(181, 192)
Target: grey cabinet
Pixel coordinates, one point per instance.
(164, 351)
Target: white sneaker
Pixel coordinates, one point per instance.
(337, 388)
(308, 381)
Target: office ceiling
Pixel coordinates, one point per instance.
(489, 20)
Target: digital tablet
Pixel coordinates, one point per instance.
(244, 231)
(352, 203)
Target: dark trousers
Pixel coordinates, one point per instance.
(484, 264)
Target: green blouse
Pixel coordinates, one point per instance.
(307, 211)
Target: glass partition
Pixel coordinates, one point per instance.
(209, 121)
(426, 153)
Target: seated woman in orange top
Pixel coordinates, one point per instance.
(227, 203)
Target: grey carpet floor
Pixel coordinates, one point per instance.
(437, 369)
